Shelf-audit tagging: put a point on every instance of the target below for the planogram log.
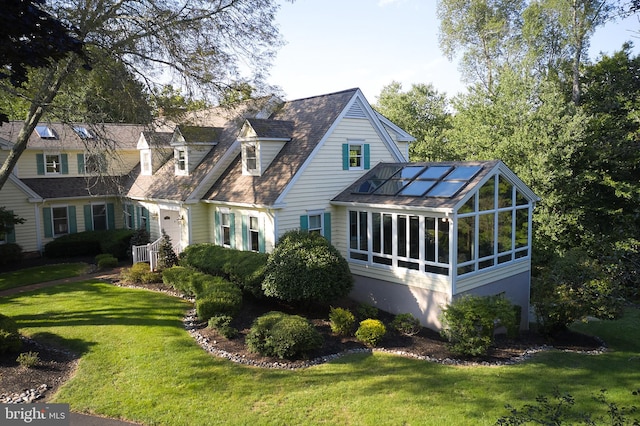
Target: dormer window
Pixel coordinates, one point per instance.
(180, 155)
(250, 158)
(145, 162)
(45, 132)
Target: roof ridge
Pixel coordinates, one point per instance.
(354, 89)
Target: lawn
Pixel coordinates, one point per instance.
(139, 363)
(40, 274)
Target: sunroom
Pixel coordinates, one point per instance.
(419, 235)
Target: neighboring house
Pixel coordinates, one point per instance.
(415, 235)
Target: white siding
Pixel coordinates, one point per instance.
(15, 200)
(201, 220)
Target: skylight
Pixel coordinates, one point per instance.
(83, 132)
(418, 181)
(45, 132)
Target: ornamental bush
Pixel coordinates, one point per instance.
(341, 321)
(219, 297)
(306, 268)
(469, 323)
(10, 253)
(9, 336)
(166, 255)
(135, 273)
(370, 332)
(284, 336)
(406, 324)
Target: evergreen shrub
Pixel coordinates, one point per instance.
(370, 332)
(284, 336)
(9, 336)
(10, 253)
(341, 321)
(406, 324)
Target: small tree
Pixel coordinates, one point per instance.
(166, 256)
(306, 268)
(8, 220)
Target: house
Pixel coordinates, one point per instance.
(415, 235)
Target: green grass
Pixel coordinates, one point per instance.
(138, 363)
(40, 274)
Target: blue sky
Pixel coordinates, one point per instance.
(334, 45)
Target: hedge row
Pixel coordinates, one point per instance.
(215, 296)
(243, 268)
(89, 243)
(10, 253)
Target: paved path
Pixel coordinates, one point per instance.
(77, 419)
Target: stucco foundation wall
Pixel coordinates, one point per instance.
(515, 288)
(424, 304)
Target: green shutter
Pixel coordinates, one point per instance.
(138, 216)
(232, 230)
(40, 163)
(262, 246)
(217, 223)
(73, 227)
(145, 213)
(327, 226)
(47, 220)
(304, 222)
(88, 218)
(64, 164)
(245, 233)
(80, 164)
(345, 156)
(111, 216)
(367, 156)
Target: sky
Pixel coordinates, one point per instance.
(333, 45)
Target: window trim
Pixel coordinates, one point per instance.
(360, 145)
(46, 164)
(145, 162)
(253, 231)
(53, 220)
(93, 216)
(181, 164)
(246, 170)
(223, 226)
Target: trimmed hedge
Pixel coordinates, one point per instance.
(243, 268)
(10, 253)
(114, 242)
(284, 336)
(9, 336)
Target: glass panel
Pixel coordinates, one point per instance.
(387, 223)
(53, 163)
(60, 223)
(522, 227)
(436, 270)
(355, 156)
(485, 263)
(504, 258)
(521, 254)
(487, 195)
(466, 269)
(409, 265)
(443, 241)
(505, 193)
(469, 206)
(486, 234)
(504, 231)
(409, 172)
(376, 222)
(391, 187)
(359, 256)
(430, 239)
(446, 189)
(417, 187)
(353, 230)
(463, 173)
(466, 239)
(521, 200)
(434, 172)
(99, 217)
(226, 236)
(402, 236)
(364, 239)
(315, 222)
(414, 236)
(382, 260)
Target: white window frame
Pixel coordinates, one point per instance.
(128, 217)
(251, 231)
(57, 166)
(53, 220)
(93, 216)
(145, 162)
(317, 230)
(225, 226)
(360, 156)
(247, 167)
(182, 161)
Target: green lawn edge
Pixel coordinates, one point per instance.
(39, 274)
(138, 363)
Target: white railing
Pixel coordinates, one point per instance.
(147, 253)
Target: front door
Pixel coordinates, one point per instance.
(170, 223)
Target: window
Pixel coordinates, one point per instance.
(128, 216)
(225, 228)
(45, 132)
(60, 221)
(358, 235)
(95, 163)
(181, 161)
(83, 132)
(355, 156)
(145, 162)
(250, 159)
(254, 234)
(52, 164)
(99, 217)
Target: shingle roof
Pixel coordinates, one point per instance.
(199, 133)
(271, 129)
(311, 119)
(74, 187)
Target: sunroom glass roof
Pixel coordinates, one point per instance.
(418, 181)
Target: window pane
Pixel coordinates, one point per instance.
(469, 206)
(376, 222)
(486, 195)
(226, 236)
(443, 241)
(53, 163)
(355, 156)
(463, 173)
(99, 217)
(504, 231)
(486, 235)
(402, 235)
(364, 239)
(388, 233)
(414, 236)
(434, 172)
(253, 223)
(521, 200)
(315, 222)
(445, 189)
(60, 222)
(417, 187)
(430, 239)
(353, 230)
(505, 193)
(466, 239)
(522, 227)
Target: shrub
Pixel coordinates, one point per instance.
(341, 320)
(9, 336)
(370, 332)
(106, 261)
(222, 324)
(406, 324)
(10, 253)
(219, 297)
(306, 268)
(469, 323)
(282, 335)
(135, 273)
(166, 256)
(151, 277)
(243, 268)
(365, 311)
(140, 237)
(114, 242)
(179, 278)
(28, 359)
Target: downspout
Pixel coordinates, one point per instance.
(36, 211)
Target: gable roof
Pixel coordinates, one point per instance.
(271, 129)
(75, 187)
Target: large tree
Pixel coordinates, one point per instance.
(203, 45)
(423, 112)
